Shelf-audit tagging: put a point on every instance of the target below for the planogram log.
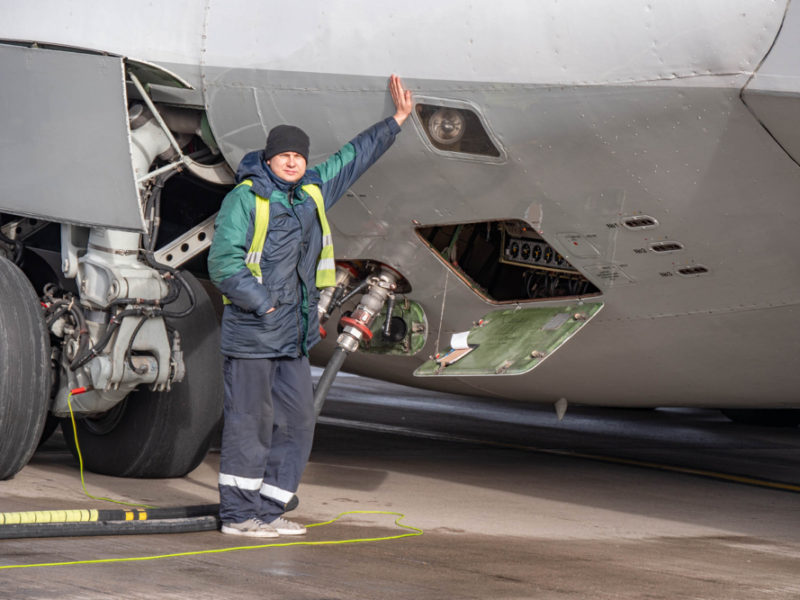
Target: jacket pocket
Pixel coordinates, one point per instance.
(282, 295)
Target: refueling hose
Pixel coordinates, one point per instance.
(328, 375)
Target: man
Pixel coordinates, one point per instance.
(271, 251)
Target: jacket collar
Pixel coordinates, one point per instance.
(255, 168)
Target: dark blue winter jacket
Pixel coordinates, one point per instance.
(292, 247)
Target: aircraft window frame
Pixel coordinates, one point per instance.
(422, 131)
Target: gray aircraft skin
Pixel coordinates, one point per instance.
(653, 145)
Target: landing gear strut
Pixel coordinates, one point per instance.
(162, 433)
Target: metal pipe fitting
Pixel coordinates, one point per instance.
(357, 325)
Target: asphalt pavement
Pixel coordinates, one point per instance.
(512, 503)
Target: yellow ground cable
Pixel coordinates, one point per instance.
(86, 515)
(49, 516)
(414, 531)
(80, 461)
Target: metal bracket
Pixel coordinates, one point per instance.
(22, 228)
(188, 245)
(173, 142)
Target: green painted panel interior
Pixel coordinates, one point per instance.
(512, 341)
(416, 332)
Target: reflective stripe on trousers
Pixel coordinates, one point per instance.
(267, 436)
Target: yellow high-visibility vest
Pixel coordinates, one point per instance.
(326, 265)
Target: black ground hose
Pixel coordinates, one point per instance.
(43, 530)
(46, 517)
(75, 523)
(68, 523)
(326, 380)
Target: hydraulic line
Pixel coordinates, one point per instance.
(113, 325)
(153, 211)
(152, 262)
(145, 311)
(58, 307)
(129, 349)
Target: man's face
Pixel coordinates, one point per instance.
(289, 166)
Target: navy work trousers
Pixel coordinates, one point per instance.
(267, 435)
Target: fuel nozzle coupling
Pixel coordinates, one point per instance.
(330, 297)
(380, 288)
(356, 327)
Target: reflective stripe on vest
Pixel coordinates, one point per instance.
(326, 265)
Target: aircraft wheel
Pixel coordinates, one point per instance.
(24, 369)
(50, 426)
(775, 417)
(162, 434)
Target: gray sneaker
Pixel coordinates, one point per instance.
(253, 527)
(286, 527)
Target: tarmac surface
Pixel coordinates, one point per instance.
(513, 504)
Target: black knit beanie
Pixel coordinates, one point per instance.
(286, 138)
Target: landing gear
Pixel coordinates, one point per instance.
(162, 434)
(24, 370)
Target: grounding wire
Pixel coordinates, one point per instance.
(80, 462)
(411, 532)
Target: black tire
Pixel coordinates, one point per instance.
(766, 417)
(24, 369)
(162, 434)
(50, 425)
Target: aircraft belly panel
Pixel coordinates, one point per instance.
(580, 160)
(65, 153)
(773, 94)
(510, 342)
(711, 360)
